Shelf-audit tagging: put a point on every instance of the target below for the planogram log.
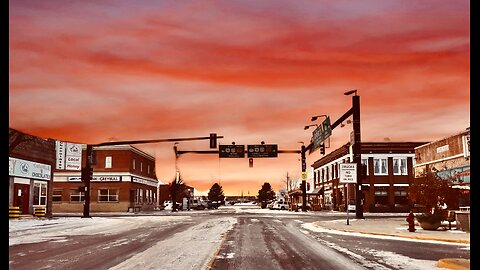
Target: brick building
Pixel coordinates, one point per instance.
(31, 160)
(124, 180)
(448, 158)
(389, 172)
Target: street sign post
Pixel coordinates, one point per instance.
(231, 151)
(348, 174)
(262, 150)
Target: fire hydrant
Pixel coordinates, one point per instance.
(411, 222)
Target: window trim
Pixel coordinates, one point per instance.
(399, 167)
(108, 162)
(380, 166)
(80, 195)
(108, 195)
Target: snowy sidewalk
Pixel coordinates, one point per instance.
(396, 227)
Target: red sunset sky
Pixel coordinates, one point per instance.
(251, 71)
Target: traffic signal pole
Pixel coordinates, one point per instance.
(87, 170)
(86, 178)
(357, 155)
(354, 111)
(304, 185)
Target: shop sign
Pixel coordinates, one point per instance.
(97, 178)
(68, 156)
(28, 169)
(148, 182)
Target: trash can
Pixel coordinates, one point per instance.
(463, 220)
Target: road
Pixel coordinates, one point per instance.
(227, 238)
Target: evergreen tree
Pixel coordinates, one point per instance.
(175, 189)
(265, 194)
(216, 193)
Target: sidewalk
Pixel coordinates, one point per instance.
(398, 227)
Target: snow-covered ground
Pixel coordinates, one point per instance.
(200, 243)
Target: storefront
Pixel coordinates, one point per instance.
(29, 182)
(30, 168)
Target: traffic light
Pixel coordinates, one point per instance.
(322, 149)
(213, 140)
(93, 158)
(308, 185)
(250, 162)
(87, 174)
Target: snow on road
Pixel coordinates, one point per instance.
(25, 231)
(190, 249)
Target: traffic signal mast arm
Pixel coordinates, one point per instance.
(155, 141)
(335, 124)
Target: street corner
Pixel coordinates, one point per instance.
(454, 263)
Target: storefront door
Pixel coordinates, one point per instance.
(21, 194)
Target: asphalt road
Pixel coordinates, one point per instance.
(272, 240)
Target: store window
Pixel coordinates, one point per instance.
(108, 195)
(57, 195)
(77, 196)
(108, 162)
(381, 197)
(39, 193)
(380, 166)
(400, 166)
(401, 197)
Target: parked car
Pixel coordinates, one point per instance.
(280, 205)
(299, 206)
(167, 205)
(198, 204)
(270, 205)
(212, 204)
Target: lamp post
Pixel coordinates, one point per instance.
(357, 158)
(304, 171)
(308, 126)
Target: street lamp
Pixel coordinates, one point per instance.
(350, 92)
(317, 116)
(308, 126)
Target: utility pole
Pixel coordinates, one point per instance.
(357, 155)
(86, 177)
(304, 182)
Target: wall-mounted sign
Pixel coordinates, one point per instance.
(145, 181)
(231, 151)
(28, 169)
(442, 149)
(466, 145)
(97, 178)
(68, 156)
(262, 150)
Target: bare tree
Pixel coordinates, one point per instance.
(290, 183)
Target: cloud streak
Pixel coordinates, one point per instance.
(247, 70)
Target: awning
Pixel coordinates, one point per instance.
(464, 173)
(316, 191)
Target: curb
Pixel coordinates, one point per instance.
(456, 264)
(414, 237)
